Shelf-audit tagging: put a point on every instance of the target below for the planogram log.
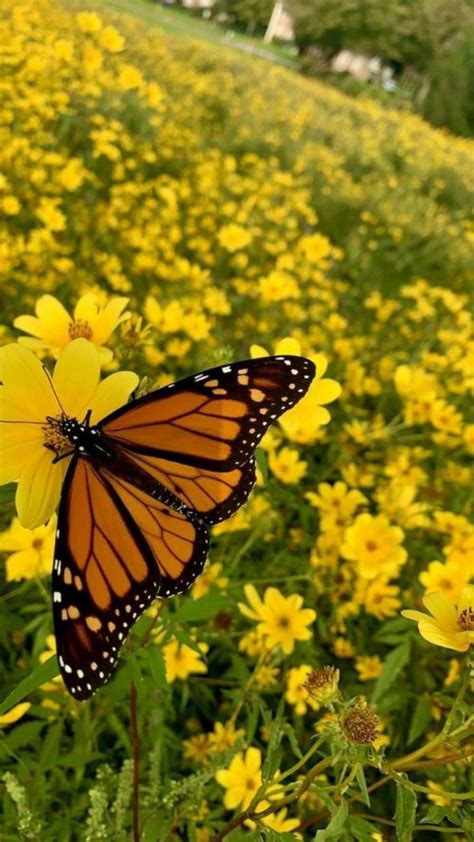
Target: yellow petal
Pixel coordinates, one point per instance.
(434, 634)
(288, 346)
(112, 393)
(86, 309)
(466, 598)
(253, 759)
(258, 351)
(39, 488)
(325, 391)
(30, 324)
(321, 364)
(15, 713)
(441, 607)
(108, 320)
(26, 383)
(19, 444)
(76, 377)
(55, 320)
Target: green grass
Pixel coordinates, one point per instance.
(179, 22)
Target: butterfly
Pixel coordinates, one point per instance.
(141, 491)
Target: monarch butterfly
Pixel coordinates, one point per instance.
(140, 492)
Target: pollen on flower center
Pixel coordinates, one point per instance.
(54, 438)
(80, 328)
(466, 619)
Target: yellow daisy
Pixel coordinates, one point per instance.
(31, 400)
(281, 619)
(451, 624)
(53, 328)
(31, 550)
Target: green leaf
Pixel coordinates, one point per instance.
(7, 493)
(335, 826)
(361, 830)
(42, 673)
(405, 813)
(360, 778)
(436, 814)
(273, 755)
(156, 663)
(420, 720)
(201, 609)
(394, 663)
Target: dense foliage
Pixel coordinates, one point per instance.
(242, 209)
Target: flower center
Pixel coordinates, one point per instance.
(250, 784)
(80, 328)
(54, 438)
(283, 622)
(371, 546)
(466, 619)
(37, 543)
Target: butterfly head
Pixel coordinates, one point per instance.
(81, 438)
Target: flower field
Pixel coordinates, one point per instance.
(167, 206)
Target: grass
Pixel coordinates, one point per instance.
(179, 22)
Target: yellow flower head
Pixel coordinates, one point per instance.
(449, 578)
(53, 328)
(31, 550)
(242, 779)
(30, 401)
(233, 237)
(296, 689)
(181, 660)
(281, 620)
(374, 546)
(452, 622)
(14, 714)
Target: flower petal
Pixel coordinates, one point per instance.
(26, 383)
(288, 346)
(441, 607)
(321, 364)
(112, 393)
(258, 351)
(76, 377)
(111, 316)
(466, 598)
(15, 713)
(55, 320)
(19, 444)
(326, 391)
(39, 488)
(434, 634)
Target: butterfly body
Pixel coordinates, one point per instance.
(142, 488)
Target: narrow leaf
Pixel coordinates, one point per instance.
(360, 777)
(405, 813)
(156, 663)
(42, 673)
(201, 609)
(335, 826)
(394, 663)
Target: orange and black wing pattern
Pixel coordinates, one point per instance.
(117, 548)
(197, 437)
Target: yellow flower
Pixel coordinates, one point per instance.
(336, 503)
(233, 237)
(28, 398)
(380, 599)
(266, 676)
(279, 822)
(32, 550)
(242, 779)
(197, 748)
(111, 40)
(53, 327)
(88, 22)
(368, 667)
(374, 546)
(181, 660)
(453, 673)
(302, 423)
(10, 205)
(281, 620)
(209, 577)
(14, 714)
(449, 578)
(452, 623)
(296, 693)
(287, 466)
(315, 247)
(130, 77)
(224, 736)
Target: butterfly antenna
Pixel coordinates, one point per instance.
(87, 418)
(54, 390)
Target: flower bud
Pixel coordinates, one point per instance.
(360, 724)
(322, 684)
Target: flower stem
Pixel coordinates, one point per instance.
(136, 763)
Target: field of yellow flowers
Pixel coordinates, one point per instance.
(178, 207)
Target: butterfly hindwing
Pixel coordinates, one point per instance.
(110, 564)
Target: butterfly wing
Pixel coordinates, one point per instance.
(197, 437)
(117, 548)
